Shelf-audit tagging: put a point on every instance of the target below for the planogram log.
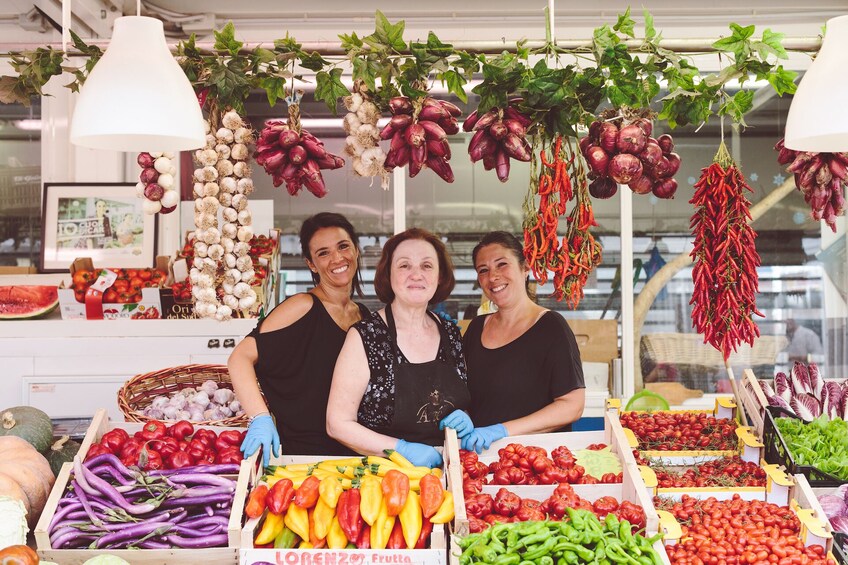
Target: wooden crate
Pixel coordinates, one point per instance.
(632, 487)
(777, 489)
(100, 424)
(753, 401)
(437, 554)
(815, 527)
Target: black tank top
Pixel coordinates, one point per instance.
(295, 369)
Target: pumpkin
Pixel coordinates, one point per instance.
(18, 555)
(29, 423)
(61, 452)
(25, 474)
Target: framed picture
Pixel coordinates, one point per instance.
(104, 221)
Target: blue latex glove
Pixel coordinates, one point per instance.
(483, 438)
(458, 420)
(419, 454)
(261, 432)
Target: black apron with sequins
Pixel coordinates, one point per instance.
(424, 392)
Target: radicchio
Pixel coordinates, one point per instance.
(816, 381)
(782, 387)
(800, 379)
(767, 390)
(832, 505)
(778, 401)
(805, 406)
(843, 406)
(831, 398)
(840, 524)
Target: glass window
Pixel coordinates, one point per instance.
(20, 184)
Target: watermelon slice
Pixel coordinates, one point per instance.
(27, 301)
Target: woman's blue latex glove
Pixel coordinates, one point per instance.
(458, 420)
(419, 454)
(482, 438)
(261, 432)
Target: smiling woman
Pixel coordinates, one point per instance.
(400, 377)
(522, 347)
(292, 352)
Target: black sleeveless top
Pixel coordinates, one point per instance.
(295, 369)
(523, 376)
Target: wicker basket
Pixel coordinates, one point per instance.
(138, 392)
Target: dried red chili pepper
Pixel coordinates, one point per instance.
(726, 259)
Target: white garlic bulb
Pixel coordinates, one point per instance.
(224, 167)
(241, 169)
(209, 173)
(216, 251)
(244, 263)
(166, 181)
(242, 289)
(229, 184)
(162, 165)
(211, 189)
(244, 217)
(204, 280)
(201, 249)
(210, 204)
(208, 157)
(228, 242)
(245, 186)
(230, 261)
(229, 230)
(227, 287)
(222, 151)
(230, 215)
(224, 135)
(245, 233)
(232, 120)
(243, 135)
(241, 248)
(247, 276)
(224, 312)
(198, 190)
(239, 152)
(248, 301)
(226, 199)
(239, 202)
(231, 301)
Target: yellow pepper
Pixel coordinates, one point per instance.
(382, 528)
(336, 538)
(270, 529)
(330, 490)
(305, 545)
(411, 519)
(445, 512)
(399, 459)
(297, 520)
(322, 518)
(372, 497)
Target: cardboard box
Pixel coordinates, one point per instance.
(597, 339)
(100, 424)
(150, 306)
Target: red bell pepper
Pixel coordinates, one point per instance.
(280, 496)
(307, 494)
(153, 429)
(196, 448)
(230, 454)
(364, 541)
(95, 450)
(178, 460)
(231, 437)
(181, 430)
(166, 446)
(150, 459)
(114, 440)
(208, 437)
(350, 518)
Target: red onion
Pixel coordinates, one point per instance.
(598, 160)
(625, 167)
(631, 139)
(652, 153)
(666, 143)
(641, 185)
(603, 188)
(148, 175)
(665, 188)
(608, 139)
(145, 160)
(154, 192)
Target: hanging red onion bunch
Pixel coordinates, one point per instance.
(292, 155)
(821, 177)
(419, 133)
(500, 134)
(622, 152)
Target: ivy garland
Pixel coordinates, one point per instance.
(557, 97)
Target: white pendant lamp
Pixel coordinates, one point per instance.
(137, 98)
(818, 116)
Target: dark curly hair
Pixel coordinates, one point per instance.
(331, 220)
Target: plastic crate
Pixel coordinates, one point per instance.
(840, 548)
(776, 451)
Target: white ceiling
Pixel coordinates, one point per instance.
(263, 20)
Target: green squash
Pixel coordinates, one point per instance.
(62, 451)
(27, 423)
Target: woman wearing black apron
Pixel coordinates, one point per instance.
(400, 377)
(292, 352)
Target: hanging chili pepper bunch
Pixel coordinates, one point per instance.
(550, 181)
(726, 260)
(579, 253)
(821, 177)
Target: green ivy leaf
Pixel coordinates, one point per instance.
(625, 24)
(737, 106)
(783, 81)
(386, 35)
(727, 74)
(225, 40)
(329, 88)
(771, 44)
(351, 42)
(287, 45)
(455, 83)
(650, 32)
(11, 93)
(275, 88)
(313, 61)
(521, 49)
(738, 43)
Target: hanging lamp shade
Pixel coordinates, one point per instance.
(818, 116)
(137, 98)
